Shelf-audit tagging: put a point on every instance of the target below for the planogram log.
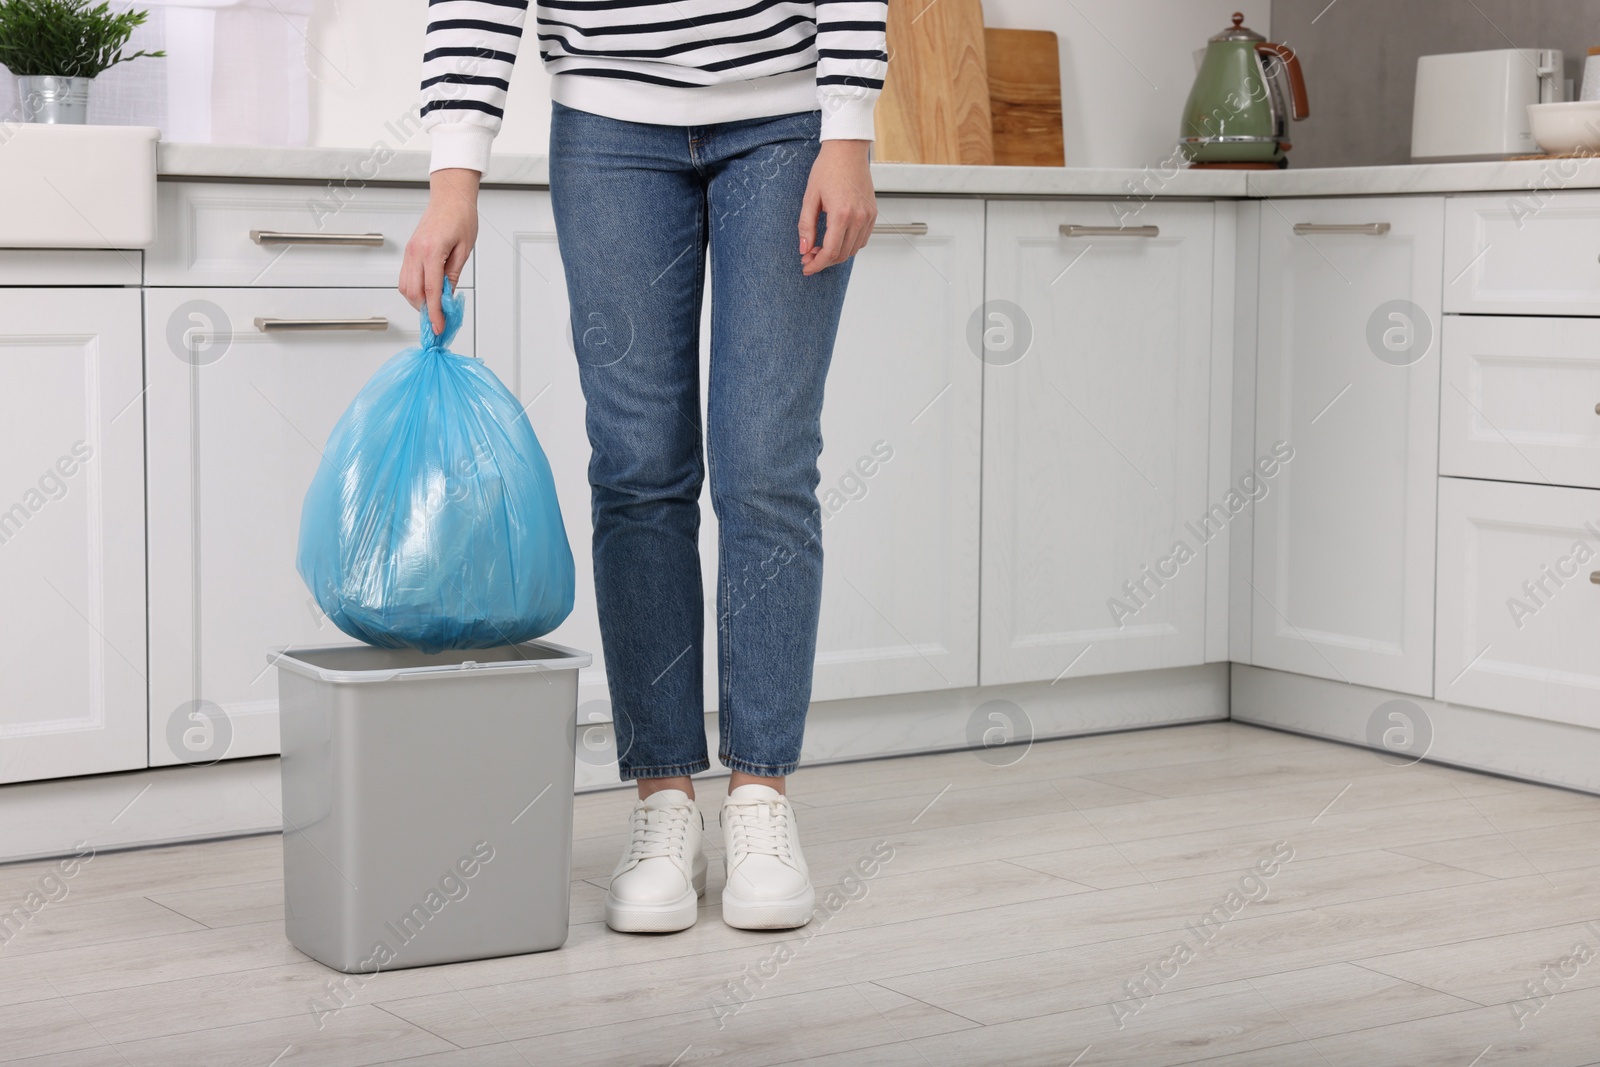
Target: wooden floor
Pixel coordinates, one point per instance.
(1100, 901)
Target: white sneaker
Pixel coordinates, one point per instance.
(768, 885)
(656, 887)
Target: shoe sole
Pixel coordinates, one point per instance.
(769, 914)
(667, 918)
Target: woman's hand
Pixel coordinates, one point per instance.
(840, 186)
(443, 240)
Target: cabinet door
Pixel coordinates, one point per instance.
(1520, 399)
(1348, 378)
(239, 418)
(900, 585)
(1096, 401)
(524, 334)
(901, 433)
(1519, 599)
(72, 637)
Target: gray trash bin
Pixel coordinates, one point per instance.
(427, 801)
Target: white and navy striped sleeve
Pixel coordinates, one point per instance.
(466, 71)
(851, 63)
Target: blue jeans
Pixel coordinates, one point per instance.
(638, 208)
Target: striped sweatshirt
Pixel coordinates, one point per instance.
(671, 62)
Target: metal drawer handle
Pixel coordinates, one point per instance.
(278, 237)
(1594, 576)
(900, 229)
(1370, 229)
(1069, 230)
(266, 325)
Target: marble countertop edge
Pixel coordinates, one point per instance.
(356, 166)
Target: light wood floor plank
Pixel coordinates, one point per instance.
(307, 990)
(771, 1031)
(1336, 833)
(1153, 817)
(55, 927)
(43, 1028)
(227, 905)
(1226, 1019)
(1498, 969)
(1257, 941)
(103, 1056)
(1061, 758)
(1547, 849)
(1341, 997)
(361, 1036)
(152, 960)
(153, 871)
(1563, 1035)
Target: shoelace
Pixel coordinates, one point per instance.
(658, 832)
(760, 827)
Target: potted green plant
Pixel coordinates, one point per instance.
(55, 48)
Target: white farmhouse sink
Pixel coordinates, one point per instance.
(77, 186)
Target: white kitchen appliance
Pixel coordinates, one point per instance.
(1474, 105)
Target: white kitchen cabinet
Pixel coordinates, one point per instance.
(1348, 377)
(1096, 405)
(900, 586)
(236, 433)
(72, 636)
(1520, 400)
(1519, 599)
(1524, 253)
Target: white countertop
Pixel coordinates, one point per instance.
(358, 166)
(1526, 176)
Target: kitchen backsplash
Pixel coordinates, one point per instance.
(1360, 59)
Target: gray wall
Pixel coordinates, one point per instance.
(1360, 60)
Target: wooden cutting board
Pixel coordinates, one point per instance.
(935, 103)
(1025, 97)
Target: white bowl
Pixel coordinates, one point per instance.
(1563, 128)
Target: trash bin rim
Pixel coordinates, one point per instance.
(288, 657)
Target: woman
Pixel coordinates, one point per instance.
(736, 130)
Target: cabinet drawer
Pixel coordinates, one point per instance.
(1523, 254)
(1521, 400)
(304, 235)
(1519, 599)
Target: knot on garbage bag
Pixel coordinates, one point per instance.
(453, 304)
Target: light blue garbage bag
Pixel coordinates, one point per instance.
(432, 522)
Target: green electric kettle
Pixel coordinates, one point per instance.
(1236, 114)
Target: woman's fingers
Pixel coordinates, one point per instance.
(434, 273)
(455, 262)
(808, 219)
(411, 279)
(861, 233)
(846, 232)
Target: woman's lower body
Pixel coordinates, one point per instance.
(640, 210)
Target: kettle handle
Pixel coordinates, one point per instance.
(1297, 80)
